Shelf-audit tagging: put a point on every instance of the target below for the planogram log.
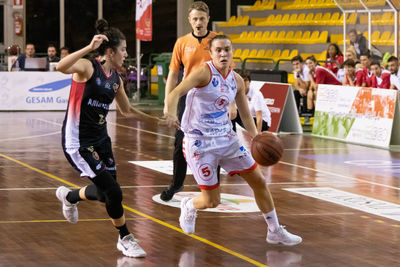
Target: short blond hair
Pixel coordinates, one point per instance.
(200, 6)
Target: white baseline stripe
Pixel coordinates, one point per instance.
(29, 137)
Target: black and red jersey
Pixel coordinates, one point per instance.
(85, 121)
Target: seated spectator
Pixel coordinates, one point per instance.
(258, 109)
(64, 51)
(359, 42)
(302, 82)
(19, 63)
(393, 67)
(52, 54)
(334, 54)
(365, 60)
(318, 75)
(349, 54)
(352, 76)
(380, 77)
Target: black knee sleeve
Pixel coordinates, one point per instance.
(113, 198)
(92, 192)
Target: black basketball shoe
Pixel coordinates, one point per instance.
(168, 193)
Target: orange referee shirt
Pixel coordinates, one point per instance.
(190, 52)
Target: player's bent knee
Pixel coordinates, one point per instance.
(114, 193)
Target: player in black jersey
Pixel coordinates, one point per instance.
(85, 141)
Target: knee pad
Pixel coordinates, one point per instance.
(113, 199)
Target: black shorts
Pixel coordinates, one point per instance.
(92, 160)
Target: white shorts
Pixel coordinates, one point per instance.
(204, 155)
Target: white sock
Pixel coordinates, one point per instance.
(190, 205)
(272, 220)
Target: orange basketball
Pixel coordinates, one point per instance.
(266, 149)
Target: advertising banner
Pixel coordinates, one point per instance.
(144, 27)
(355, 114)
(280, 100)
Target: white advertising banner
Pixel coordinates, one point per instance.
(35, 90)
(355, 114)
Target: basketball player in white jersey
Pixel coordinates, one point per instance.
(209, 140)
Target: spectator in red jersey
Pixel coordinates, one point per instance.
(365, 60)
(352, 75)
(380, 77)
(333, 54)
(319, 75)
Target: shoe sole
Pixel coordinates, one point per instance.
(283, 243)
(121, 248)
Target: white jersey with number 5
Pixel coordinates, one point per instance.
(206, 112)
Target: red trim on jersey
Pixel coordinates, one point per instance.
(252, 168)
(102, 69)
(229, 71)
(75, 100)
(209, 187)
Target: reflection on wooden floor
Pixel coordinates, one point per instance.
(337, 229)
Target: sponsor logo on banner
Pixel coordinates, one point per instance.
(51, 87)
(354, 114)
(229, 202)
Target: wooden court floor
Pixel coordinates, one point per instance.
(354, 231)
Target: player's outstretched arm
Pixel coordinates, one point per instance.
(199, 78)
(126, 108)
(74, 63)
(241, 103)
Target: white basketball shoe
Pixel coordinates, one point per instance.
(187, 220)
(70, 210)
(281, 235)
(129, 246)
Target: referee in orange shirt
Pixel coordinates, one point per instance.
(190, 50)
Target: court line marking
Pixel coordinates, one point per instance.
(166, 185)
(238, 255)
(63, 221)
(141, 130)
(29, 137)
(339, 175)
(51, 122)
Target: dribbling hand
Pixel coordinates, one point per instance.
(171, 121)
(97, 41)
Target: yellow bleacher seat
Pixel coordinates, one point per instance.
(312, 39)
(244, 21)
(317, 18)
(252, 54)
(254, 21)
(389, 41)
(334, 19)
(285, 54)
(268, 53)
(292, 19)
(257, 37)
(245, 54)
(272, 36)
(260, 54)
(250, 37)
(276, 21)
(375, 36)
(241, 39)
(265, 22)
(291, 78)
(386, 18)
(323, 37)
(288, 38)
(276, 54)
(385, 37)
(300, 19)
(265, 37)
(254, 7)
(279, 38)
(229, 23)
(285, 19)
(293, 53)
(336, 38)
(352, 19)
(237, 54)
(297, 36)
(308, 20)
(305, 37)
(325, 19)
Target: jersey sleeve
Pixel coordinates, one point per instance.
(258, 101)
(360, 78)
(176, 59)
(385, 81)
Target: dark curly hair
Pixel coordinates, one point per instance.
(114, 35)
